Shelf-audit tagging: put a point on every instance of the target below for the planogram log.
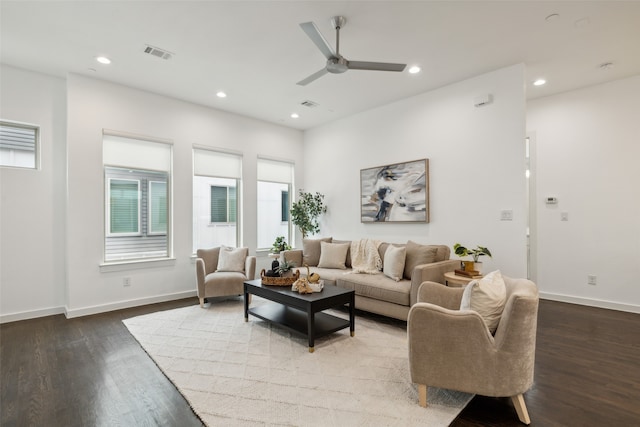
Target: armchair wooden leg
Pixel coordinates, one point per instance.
(201, 302)
(521, 408)
(422, 395)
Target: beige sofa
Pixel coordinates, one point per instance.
(378, 293)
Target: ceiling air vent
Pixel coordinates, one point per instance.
(309, 104)
(157, 52)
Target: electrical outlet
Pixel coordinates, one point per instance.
(126, 281)
(506, 215)
(591, 280)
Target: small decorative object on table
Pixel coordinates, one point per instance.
(279, 281)
(285, 269)
(474, 266)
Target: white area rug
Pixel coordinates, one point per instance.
(237, 373)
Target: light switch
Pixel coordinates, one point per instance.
(506, 215)
(564, 216)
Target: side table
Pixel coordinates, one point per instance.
(455, 281)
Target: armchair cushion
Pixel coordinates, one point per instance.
(232, 259)
(486, 297)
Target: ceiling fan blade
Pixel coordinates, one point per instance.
(317, 38)
(312, 77)
(375, 66)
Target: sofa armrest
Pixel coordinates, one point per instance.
(200, 275)
(294, 255)
(433, 272)
(250, 267)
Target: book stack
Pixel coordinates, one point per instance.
(473, 274)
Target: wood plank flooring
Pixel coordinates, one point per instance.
(90, 371)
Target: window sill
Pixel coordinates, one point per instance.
(136, 264)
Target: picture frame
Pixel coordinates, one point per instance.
(395, 193)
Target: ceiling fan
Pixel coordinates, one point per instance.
(336, 63)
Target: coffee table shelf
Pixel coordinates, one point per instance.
(295, 321)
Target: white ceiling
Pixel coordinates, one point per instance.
(256, 52)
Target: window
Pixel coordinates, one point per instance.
(284, 206)
(137, 177)
(18, 145)
(216, 184)
(157, 207)
(223, 204)
(275, 179)
(124, 206)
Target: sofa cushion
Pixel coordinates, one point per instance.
(328, 275)
(348, 261)
(232, 259)
(416, 255)
(393, 264)
(377, 286)
(311, 250)
(487, 297)
(333, 255)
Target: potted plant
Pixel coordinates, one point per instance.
(305, 212)
(280, 245)
(285, 268)
(475, 254)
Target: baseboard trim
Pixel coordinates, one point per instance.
(103, 308)
(611, 305)
(31, 314)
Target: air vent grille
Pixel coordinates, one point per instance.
(309, 104)
(157, 52)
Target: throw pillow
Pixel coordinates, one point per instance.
(311, 250)
(416, 255)
(232, 259)
(333, 255)
(487, 297)
(393, 264)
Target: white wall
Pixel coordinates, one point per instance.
(32, 209)
(39, 274)
(95, 105)
(588, 146)
(477, 166)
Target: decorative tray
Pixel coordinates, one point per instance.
(279, 281)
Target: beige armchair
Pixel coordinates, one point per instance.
(215, 283)
(453, 349)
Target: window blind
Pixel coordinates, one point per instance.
(216, 164)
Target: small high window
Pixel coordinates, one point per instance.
(19, 145)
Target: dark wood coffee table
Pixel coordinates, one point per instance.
(301, 313)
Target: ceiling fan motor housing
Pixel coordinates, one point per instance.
(337, 65)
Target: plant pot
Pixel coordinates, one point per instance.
(472, 266)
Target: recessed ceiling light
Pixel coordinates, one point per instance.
(606, 66)
(539, 82)
(552, 17)
(221, 94)
(103, 60)
(294, 115)
(414, 70)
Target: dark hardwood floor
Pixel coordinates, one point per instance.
(90, 371)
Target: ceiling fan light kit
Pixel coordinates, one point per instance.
(336, 63)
